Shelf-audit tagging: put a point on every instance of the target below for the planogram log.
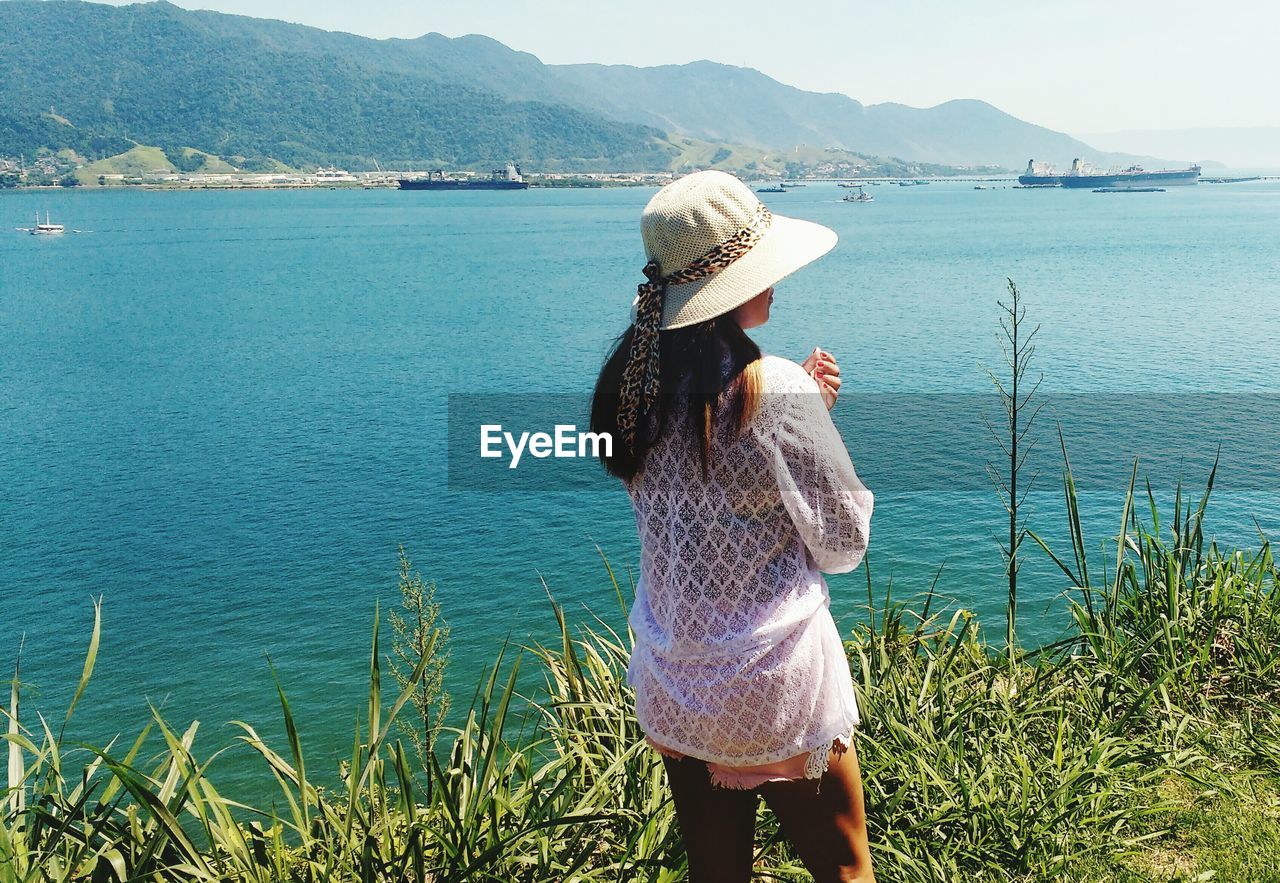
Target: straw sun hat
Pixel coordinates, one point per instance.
(690, 217)
(712, 246)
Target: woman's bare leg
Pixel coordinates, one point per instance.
(826, 824)
(718, 824)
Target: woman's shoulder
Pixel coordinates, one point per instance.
(783, 375)
(790, 395)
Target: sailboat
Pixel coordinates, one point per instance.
(47, 226)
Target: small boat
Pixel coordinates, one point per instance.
(775, 188)
(849, 184)
(1128, 190)
(47, 226)
(860, 196)
(789, 184)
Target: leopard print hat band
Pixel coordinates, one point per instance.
(640, 377)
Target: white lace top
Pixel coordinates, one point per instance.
(737, 660)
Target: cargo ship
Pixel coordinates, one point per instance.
(1081, 175)
(500, 179)
(1039, 174)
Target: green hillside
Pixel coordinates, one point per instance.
(232, 86)
(134, 162)
(188, 159)
(141, 160)
(27, 132)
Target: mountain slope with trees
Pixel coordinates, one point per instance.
(156, 74)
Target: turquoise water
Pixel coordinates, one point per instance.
(223, 411)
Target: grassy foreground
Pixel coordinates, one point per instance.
(1146, 746)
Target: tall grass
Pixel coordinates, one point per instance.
(1177, 616)
(974, 768)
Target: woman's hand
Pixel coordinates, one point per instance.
(822, 367)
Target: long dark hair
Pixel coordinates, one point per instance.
(700, 365)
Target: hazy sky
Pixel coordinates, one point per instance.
(1080, 66)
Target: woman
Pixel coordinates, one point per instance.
(743, 494)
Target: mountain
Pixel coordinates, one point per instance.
(92, 78)
(721, 102)
(74, 73)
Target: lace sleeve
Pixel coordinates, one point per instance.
(829, 505)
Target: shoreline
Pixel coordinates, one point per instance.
(589, 181)
(598, 185)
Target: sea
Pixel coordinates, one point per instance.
(224, 413)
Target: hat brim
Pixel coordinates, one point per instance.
(788, 245)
